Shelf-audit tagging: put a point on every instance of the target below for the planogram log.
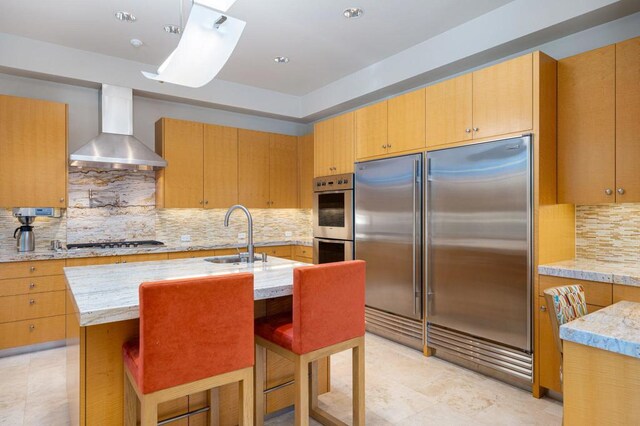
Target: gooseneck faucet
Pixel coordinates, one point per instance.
(249, 227)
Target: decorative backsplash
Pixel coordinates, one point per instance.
(116, 205)
(608, 232)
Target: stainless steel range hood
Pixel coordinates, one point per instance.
(116, 147)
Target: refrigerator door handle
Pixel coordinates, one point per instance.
(416, 296)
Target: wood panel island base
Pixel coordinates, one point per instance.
(95, 335)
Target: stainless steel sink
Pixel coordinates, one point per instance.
(234, 258)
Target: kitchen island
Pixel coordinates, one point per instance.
(102, 313)
(601, 366)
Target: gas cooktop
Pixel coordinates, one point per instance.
(117, 244)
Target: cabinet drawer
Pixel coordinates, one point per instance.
(36, 268)
(29, 306)
(30, 332)
(626, 292)
(15, 286)
(143, 257)
(87, 261)
(304, 251)
(597, 293)
(278, 251)
(193, 253)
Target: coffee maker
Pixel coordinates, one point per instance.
(25, 238)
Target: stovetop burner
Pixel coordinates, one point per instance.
(117, 244)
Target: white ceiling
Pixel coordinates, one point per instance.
(323, 46)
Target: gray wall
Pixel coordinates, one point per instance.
(83, 111)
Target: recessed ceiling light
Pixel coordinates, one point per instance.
(281, 60)
(136, 42)
(353, 12)
(125, 16)
(173, 29)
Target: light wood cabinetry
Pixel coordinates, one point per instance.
(628, 121)
(33, 153)
(283, 173)
(334, 145)
(626, 292)
(253, 169)
(372, 130)
(202, 165)
(406, 122)
(105, 260)
(303, 254)
(449, 112)
(305, 171)
(284, 252)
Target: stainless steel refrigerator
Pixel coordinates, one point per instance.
(478, 257)
(388, 236)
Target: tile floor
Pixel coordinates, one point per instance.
(402, 388)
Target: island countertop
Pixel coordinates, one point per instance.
(594, 270)
(615, 328)
(109, 293)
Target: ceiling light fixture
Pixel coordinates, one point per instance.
(136, 42)
(207, 41)
(125, 16)
(353, 12)
(172, 29)
(281, 60)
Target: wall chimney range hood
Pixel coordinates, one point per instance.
(116, 147)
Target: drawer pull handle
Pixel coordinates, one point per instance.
(32, 301)
(32, 285)
(543, 308)
(32, 269)
(32, 327)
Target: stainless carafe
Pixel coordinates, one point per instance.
(25, 238)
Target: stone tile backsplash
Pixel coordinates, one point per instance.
(116, 205)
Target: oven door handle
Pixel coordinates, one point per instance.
(322, 240)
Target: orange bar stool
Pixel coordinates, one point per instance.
(196, 334)
(327, 318)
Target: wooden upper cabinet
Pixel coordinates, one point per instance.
(283, 171)
(33, 153)
(503, 98)
(371, 130)
(343, 143)
(406, 122)
(220, 166)
(180, 184)
(323, 148)
(449, 111)
(586, 127)
(628, 121)
(253, 169)
(305, 171)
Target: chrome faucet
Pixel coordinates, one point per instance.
(249, 227)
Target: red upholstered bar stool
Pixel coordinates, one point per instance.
(327, 318)
(195, 334)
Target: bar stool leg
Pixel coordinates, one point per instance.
(130, 403)
(302, 391)
(258, 379)
(213, 395)
(358, 383)
(245, 409)
(148, 412)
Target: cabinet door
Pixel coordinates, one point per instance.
(182, 179)
(586, 127)
(220, 166)
(449, 111)
(253, 168)
(343, 143)
(548, 353)
(628, 121)
(305, 171)
(283, 171)
(33, 153)
(503, 98)
(371, 131)
(323, 148)
(406, 122)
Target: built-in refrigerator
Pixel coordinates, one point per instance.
(388, 236)
(479, 257)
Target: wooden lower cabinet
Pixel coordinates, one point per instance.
(303, 254)
(626, 292)
(284, 252)
(30, 332)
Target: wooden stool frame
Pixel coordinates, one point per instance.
(306, 384)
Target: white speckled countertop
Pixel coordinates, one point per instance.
(14, 256)
(109, 293)
(615, 328)
(593, 270)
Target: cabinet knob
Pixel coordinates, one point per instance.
(206, 202)
(620, 191)
(32, 327)
(32, 301)
(32, 269)
(543, 308)
(62, 199)
(200, 202)
(475, 129)
(467, 130)
(608, 191)
(384, 146)
(32, 285)
(124, 261)
(389, 145)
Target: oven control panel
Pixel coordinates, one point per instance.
(333, 183)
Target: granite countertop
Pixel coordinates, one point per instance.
(109, 293)
(593, 270)
(615, 328)
(13, 256)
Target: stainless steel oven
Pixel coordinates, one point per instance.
(327, 251)
(333, 207)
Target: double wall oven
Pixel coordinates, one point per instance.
(333, 218)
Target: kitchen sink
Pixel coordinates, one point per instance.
(234, 258)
